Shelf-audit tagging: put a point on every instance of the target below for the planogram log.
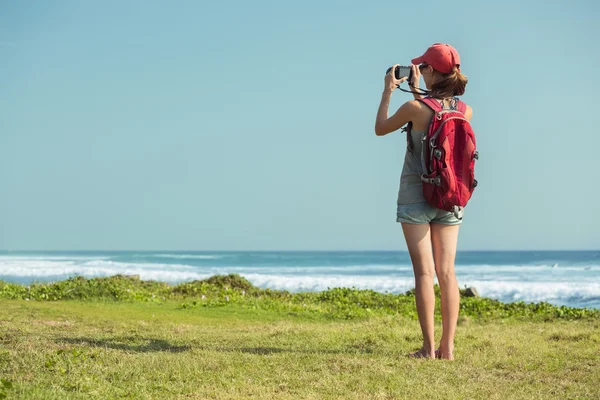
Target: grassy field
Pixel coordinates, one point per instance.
(272, 345)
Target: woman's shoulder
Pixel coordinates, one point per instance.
(468, 112)
(412, 105)
(417, 106)
(416, 109)
(419, 113)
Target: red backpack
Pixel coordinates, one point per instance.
(448, 157)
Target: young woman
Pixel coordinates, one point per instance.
(431, 234)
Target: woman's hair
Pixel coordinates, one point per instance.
(449, 85)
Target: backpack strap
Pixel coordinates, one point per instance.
(431, 103)
(407, 129)
(437, 107)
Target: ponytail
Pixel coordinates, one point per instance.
(449, 85)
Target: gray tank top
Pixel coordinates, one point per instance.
(411, 187)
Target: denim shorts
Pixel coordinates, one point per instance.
(423, 213)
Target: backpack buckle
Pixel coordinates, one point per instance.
(435, 181)
(437, 153)
(457, 211)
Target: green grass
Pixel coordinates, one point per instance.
(275, 345)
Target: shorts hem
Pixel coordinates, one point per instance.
(403, 221)
(446, 223)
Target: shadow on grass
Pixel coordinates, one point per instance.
(124, 343)
(157, 345)
(273, 350)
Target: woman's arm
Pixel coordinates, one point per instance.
(385, 125)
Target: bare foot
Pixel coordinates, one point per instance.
(422, 353)
(444, 355)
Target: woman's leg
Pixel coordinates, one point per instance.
(418, 240)
(444, 239)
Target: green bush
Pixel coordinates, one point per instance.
(224, 290)
(232, 281)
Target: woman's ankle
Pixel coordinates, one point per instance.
(445, 346)
(429, 348)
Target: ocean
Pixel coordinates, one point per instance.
(569, 278)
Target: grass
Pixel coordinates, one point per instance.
(270, 344)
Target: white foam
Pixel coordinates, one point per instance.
(124, 265)
(320, 269)
(502, 290)
(535, 291)
(42, 270)
(521, 268)
(189, 256)
(320, 283)
(45, 267)
(51, 258)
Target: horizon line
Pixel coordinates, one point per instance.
(282, 251)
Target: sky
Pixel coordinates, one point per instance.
(236, 125)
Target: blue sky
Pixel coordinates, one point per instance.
(249, 125)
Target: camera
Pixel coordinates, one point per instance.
(401, 72)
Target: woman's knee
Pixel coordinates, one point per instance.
(424, 274)
(445, 273)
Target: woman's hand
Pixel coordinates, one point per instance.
(391, 82)
(416, 76)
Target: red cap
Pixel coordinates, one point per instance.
(442, 57)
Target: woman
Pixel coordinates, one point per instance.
(431, 234)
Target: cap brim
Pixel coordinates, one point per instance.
(417, 61)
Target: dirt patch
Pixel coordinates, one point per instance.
(53, 323)
(557, 337)
(182, 328)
